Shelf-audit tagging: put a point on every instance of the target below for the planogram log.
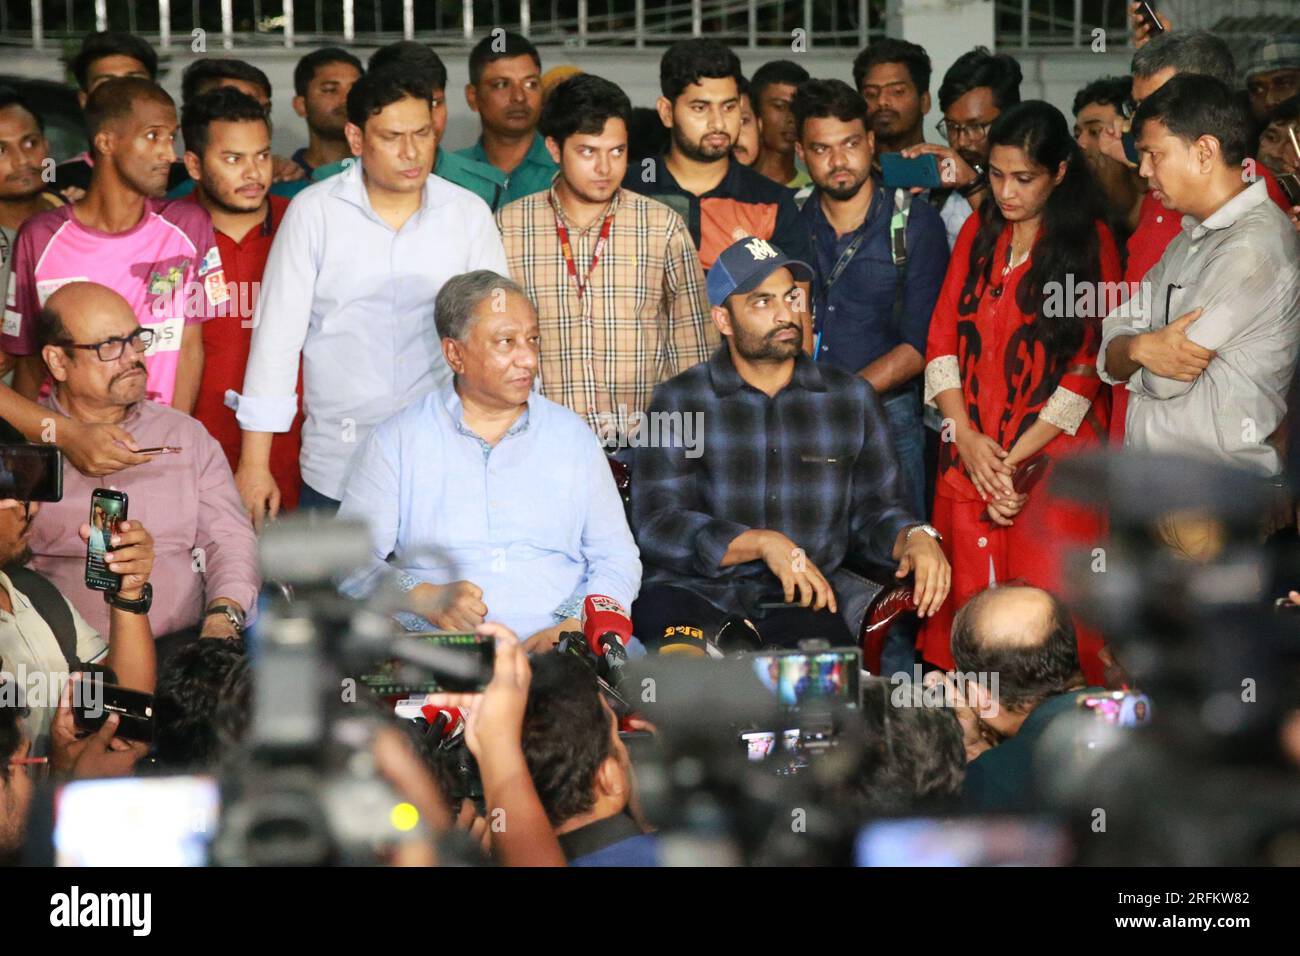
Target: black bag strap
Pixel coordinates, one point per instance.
(52, 607)
(898, 251)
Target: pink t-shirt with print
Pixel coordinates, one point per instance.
(166, 267)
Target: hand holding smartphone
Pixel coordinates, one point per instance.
(901, 173)
(108, 510)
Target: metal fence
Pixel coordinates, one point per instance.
(580, 23)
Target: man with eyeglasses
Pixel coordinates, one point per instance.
(975, 91)
(205, 575)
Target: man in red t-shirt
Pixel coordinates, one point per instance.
(1156, 61)
(228, 154)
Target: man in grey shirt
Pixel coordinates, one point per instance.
(1208, 345)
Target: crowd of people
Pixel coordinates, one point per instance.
(813, 379)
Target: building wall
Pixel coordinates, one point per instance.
(1054, 76)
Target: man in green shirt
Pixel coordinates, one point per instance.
(1018, 672)
(483, 180)
(505, 90)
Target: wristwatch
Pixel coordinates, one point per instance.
(140, 605)
(981, 181)
(929, 529)
(231, 613)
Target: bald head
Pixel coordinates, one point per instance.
(1022, 634)
(77, 311)
(84, 314)
(1013, 616)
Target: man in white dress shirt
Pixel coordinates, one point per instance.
(350, 286)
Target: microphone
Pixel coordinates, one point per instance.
(738, 634)
(607, 628)
(685, 641)
(444, 722)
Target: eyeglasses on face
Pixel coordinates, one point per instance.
(110, 350)
(952, 131)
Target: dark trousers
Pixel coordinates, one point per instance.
(662, 606)
(309, 499)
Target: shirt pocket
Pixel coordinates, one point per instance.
(821, 487)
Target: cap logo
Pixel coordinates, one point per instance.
(760, 249)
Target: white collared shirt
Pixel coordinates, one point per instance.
(355, 299)
(30, 653)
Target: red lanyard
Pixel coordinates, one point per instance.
(567, 248)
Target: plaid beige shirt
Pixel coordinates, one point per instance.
(643, 316)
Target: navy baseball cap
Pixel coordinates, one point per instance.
(744, 265)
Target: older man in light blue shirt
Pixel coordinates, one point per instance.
(487, 500)
(350, 285)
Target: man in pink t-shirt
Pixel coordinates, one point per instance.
(161, 257)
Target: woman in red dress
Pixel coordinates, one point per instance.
(1011, 366)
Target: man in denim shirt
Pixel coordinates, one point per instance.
(871, 308)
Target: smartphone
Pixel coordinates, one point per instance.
(901, 173)
(134, 709)
(1131, 148)
(802, 679)
(150, 821)
(1147, 11)
(1123, 708)
(759, 743)
(31, 472)
(983, 841)
(107, 512)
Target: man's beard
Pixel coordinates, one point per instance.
(332, 132)
(886, 138)
(214, 196)
(766, 348)
(697, 151)
(26, 196)
(842, 193)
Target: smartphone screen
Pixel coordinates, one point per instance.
(150, 821)
(107, 512)
(31, 472)
(812, 679)
(1122, 708)
(759, 744)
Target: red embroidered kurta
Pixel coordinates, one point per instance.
(983, 343)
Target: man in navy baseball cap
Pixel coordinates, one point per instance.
(782, 468)
(747, 262)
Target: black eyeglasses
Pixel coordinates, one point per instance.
(951, 131)
(110, 350)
